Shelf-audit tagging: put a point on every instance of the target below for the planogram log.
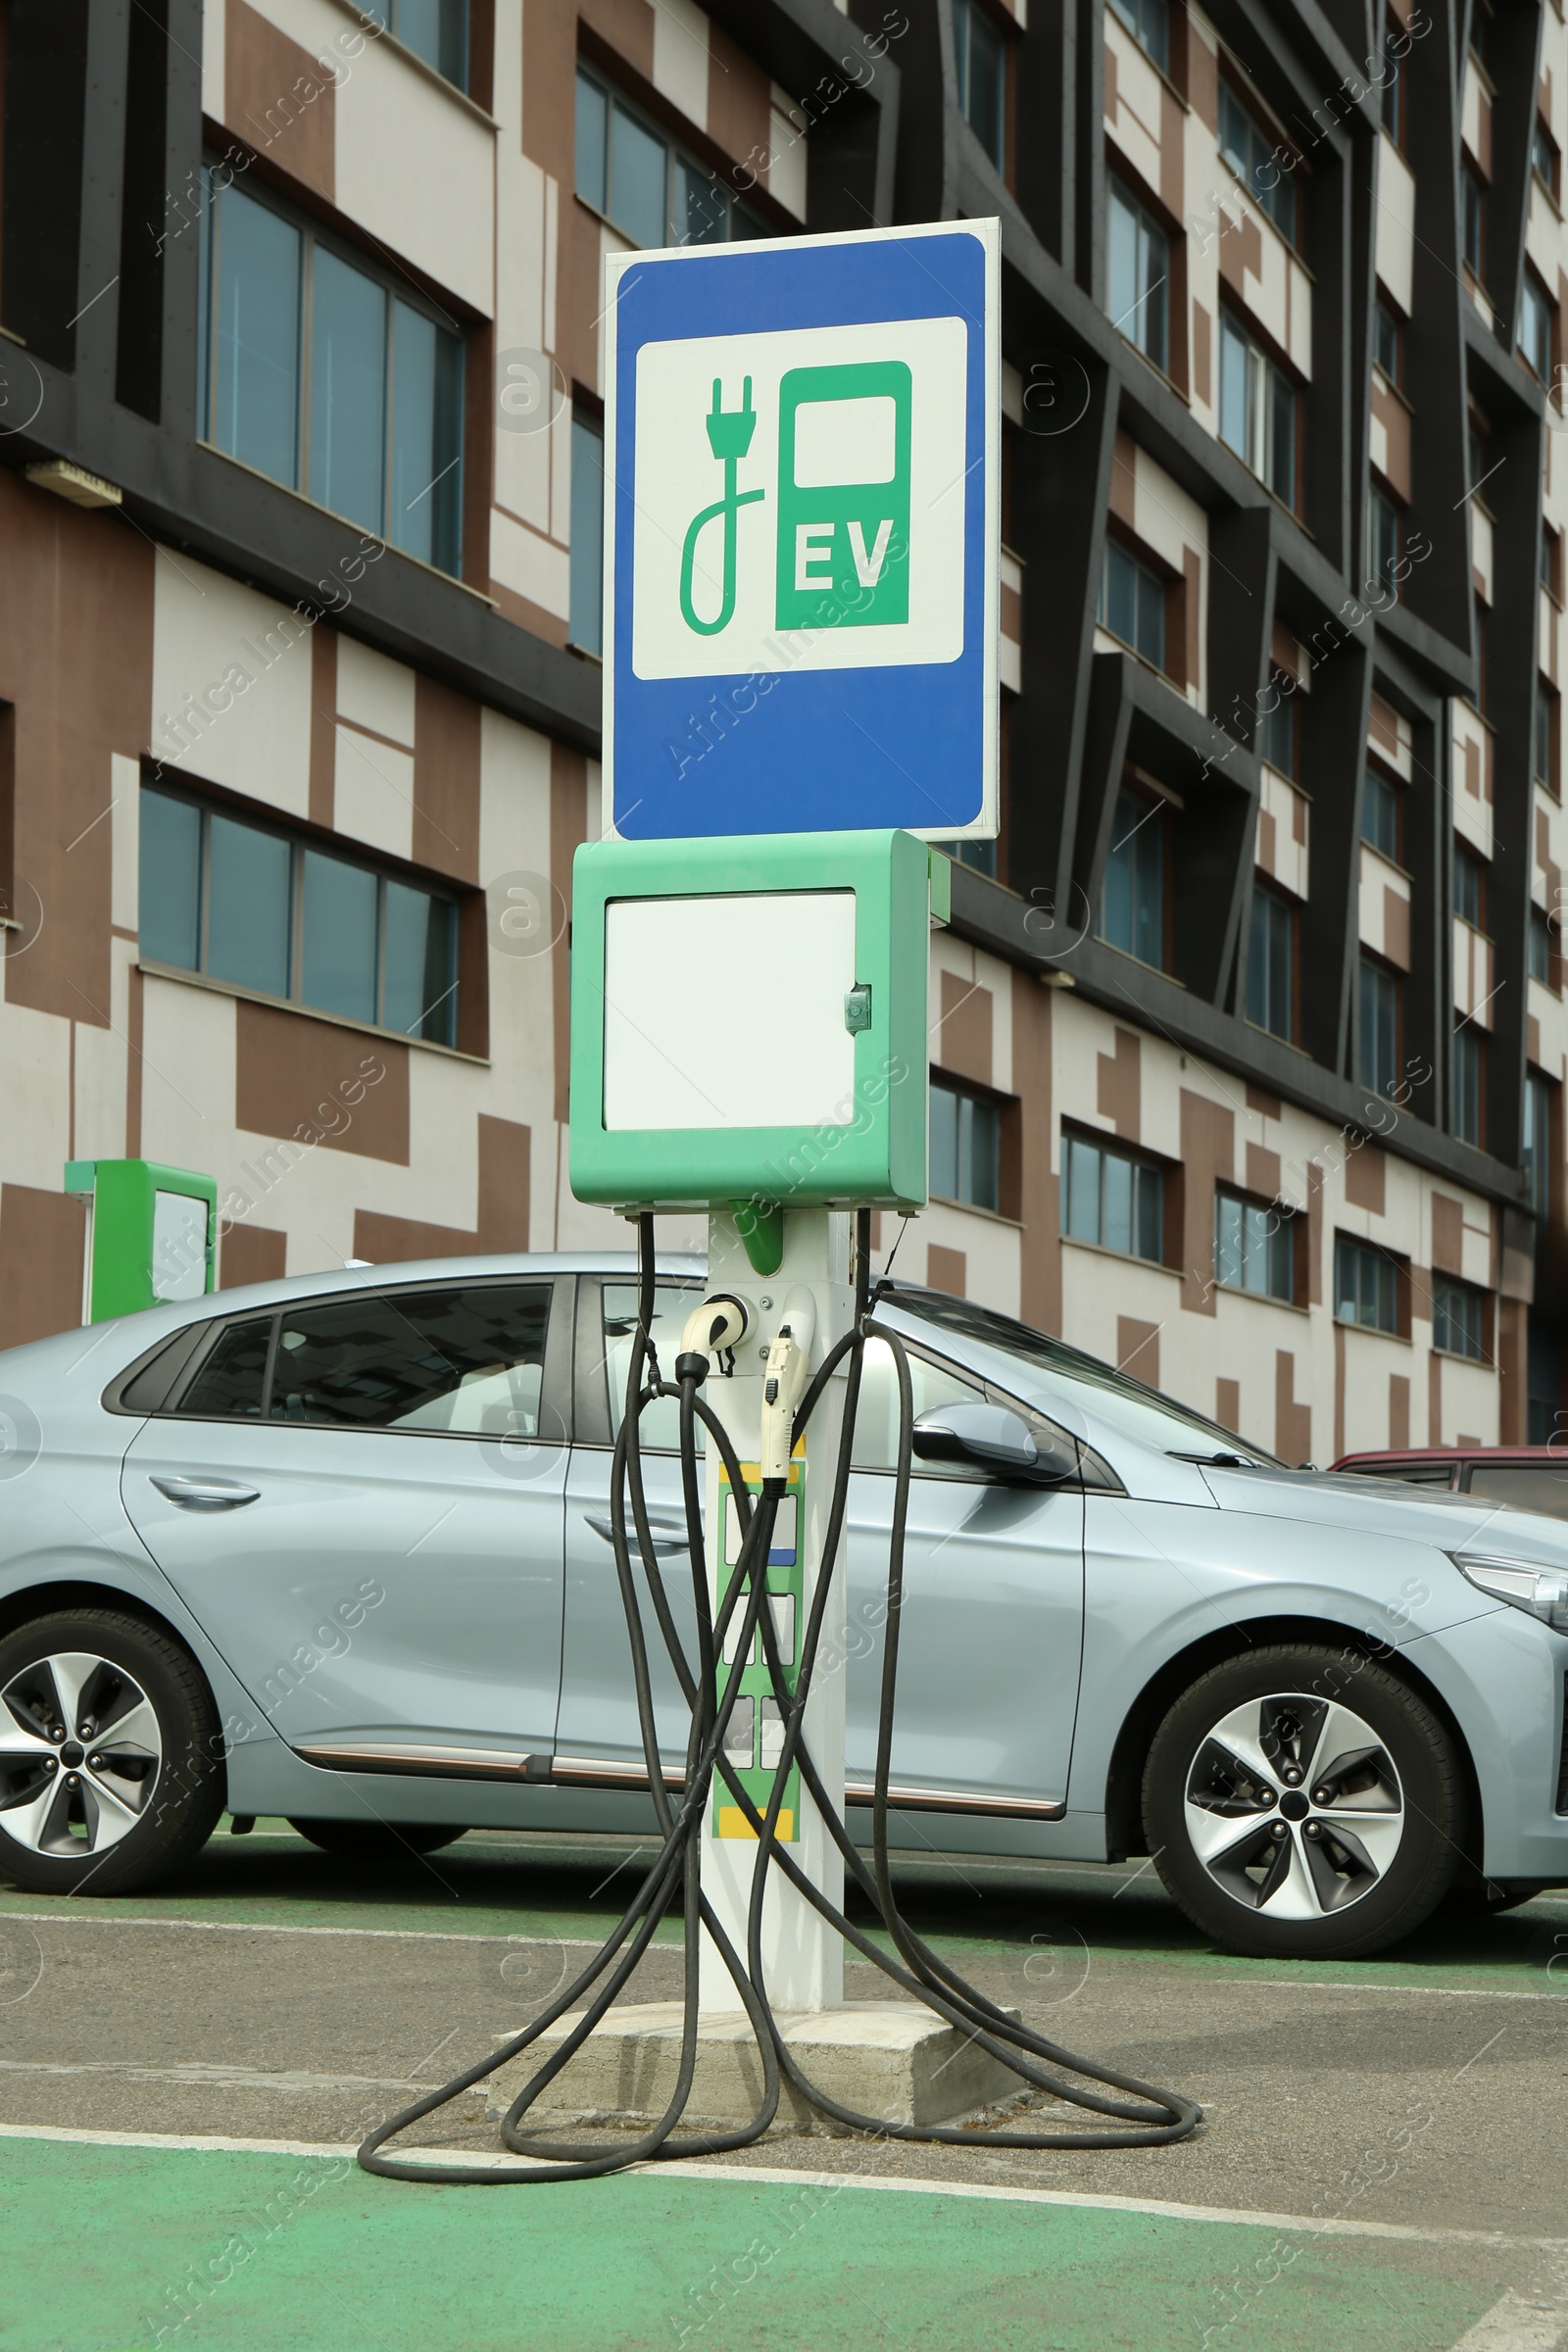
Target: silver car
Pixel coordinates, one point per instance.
(338, 1548)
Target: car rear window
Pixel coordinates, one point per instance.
(1525, 1486)
(229, 1380)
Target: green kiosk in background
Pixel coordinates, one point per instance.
(152, 1234)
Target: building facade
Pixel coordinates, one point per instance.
(1249, 1040)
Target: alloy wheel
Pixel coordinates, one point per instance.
(1293, 1806)
(80, 1751)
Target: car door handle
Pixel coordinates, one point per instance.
(205, 1493)
(669, 1535)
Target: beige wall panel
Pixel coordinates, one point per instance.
(36, 1130)
(533, 565)
(125, 840)
(187, 1077)
(213, 27)
(680, 58)
(991, 1253)
(373, 793)
(208, 629)
(373, 692)
(102, 1056)
(1396, 231)
(1470, 1402)
(438, 215)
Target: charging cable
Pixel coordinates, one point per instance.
(1132, 2113)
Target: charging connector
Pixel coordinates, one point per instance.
(716, 1328)
(784, 1382)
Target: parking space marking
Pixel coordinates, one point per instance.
(1518, 2324)
(273, 1927)
(791, 2177)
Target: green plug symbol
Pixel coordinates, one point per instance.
(729, 437)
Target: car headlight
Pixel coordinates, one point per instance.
(1544, 1591)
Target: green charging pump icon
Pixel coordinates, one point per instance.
(843, 495)
(729, 437)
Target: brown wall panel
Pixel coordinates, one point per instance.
(277, 96)
(1208, 1157)
(295, 1077)
(75, 660)
(1137, 1348)
(947, 1269)
(1040, 1243)
(1119, 1086)
(504, 1183)
(963, 1036)
(251, 1254)
(446, 781)
(569, 822)
(42, 1240)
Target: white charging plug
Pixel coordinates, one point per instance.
(716, 1328)
(784, 1381)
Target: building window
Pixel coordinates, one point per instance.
(436, 30)
(645, 185)
(1552, 560)
(1271, 963)
(1279, 733)
(1538, 1144)
(1475, 442)
(1469, 886)
(1132, 907)
(1265, 167)
(1137, 275)
(323, 376)
(1366, 1286)
(586, 625)
(1257, 411)
(1543, 158)
(1380, 816)
(279, 917)
(1546, 735)
(1540, 947)
(1388, 345)
(1112, 1198)
(1132, 604)
(982, 61)
(1394, 99)
(1473, 221)
(1468, 1095)
(1377, 1028)
(1254, 1247)
(1459, 1318)
(965, 1147)
(1149, 23)
(1535, 326)
(1386, 533)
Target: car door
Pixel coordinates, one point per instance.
(598, 1719)
(359, 1496)
(991, 1627)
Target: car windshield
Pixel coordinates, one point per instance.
(1137, 1411)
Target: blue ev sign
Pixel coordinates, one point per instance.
(802, 535)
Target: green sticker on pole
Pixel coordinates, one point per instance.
(843, 545)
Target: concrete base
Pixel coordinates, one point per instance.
(888, 2059)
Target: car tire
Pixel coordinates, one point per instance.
(1304, 1804)
(132, 1802)
(377, 1840)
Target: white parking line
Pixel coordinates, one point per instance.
(1518, 2324)
(788, 2176)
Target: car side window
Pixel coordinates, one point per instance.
(229, 1383)
(1525, 1486)
(672, 1304)
(464, 1362)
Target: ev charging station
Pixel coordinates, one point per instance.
(802, 556)
(802, 564)
(152, 1234)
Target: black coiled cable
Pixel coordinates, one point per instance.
(1146, 2117)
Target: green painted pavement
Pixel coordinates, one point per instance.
(109, 2248)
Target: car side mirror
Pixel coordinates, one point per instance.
(991, 1439)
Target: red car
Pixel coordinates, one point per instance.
(1532, 1478)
